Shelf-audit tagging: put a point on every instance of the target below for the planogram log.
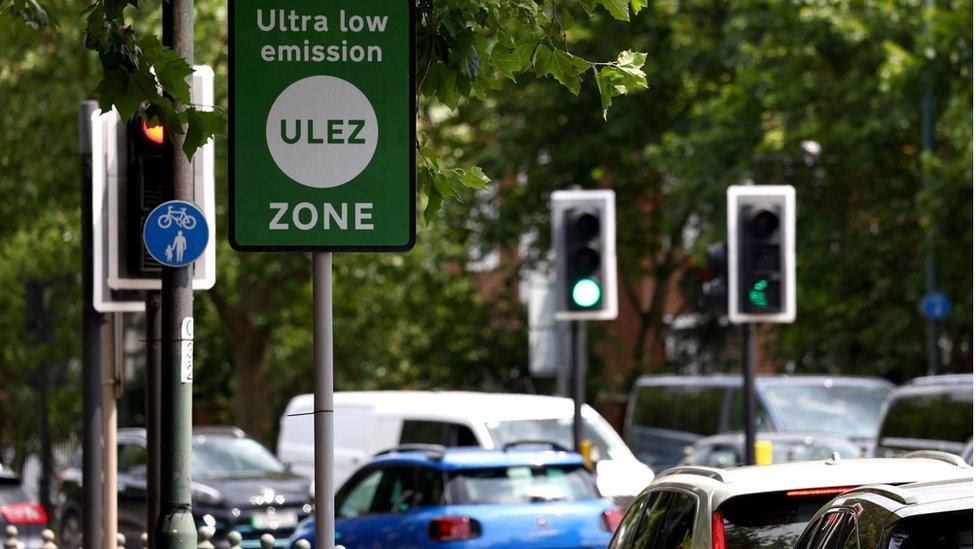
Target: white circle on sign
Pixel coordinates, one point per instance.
(322, 131)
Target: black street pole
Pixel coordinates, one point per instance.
(175, 527)
(91, 350)
(153, 408)
(578, 353)
(749, 390)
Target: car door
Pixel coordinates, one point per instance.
(132, 490)
(370, 508)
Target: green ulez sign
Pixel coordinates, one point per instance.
(322, 125)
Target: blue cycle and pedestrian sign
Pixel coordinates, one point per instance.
(935, 305)
(176, 233)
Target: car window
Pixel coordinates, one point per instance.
(736, 417)
(693, 409)
(630, 524)
(677, 528)
(651, 529)
(851, 410)
(436, 432)
(131, 457)
(395, 493)
(356, 497)
(522, 484)
(429, 487)
(605, 443)
(946, 415)
(934, 531)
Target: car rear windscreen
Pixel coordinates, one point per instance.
(521, 484)
(770, 520)
(688, 408)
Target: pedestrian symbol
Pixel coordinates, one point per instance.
(176, 233)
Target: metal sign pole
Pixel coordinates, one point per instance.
(324, 429)
(578, 344)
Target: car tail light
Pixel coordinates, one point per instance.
(718, 531)
(612, 518)
(820, 491)
(23, 513)
(453, 528)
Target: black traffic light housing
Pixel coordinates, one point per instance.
(584, 242)
(715, 290)
(762, 259)
(584, 279)
(148, 170)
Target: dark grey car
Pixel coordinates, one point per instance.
(17, 510)
(929, 413)
(665, 414)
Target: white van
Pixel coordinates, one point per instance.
(367, 422)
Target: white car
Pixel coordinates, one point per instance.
(761, 506)
(368, 422)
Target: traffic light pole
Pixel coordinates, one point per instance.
(748, 335)
(578, 352)
(175, 527)
(91, 350)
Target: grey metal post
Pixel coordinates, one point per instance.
(175, 527)
(110, 457)
(324, 416)
(749, 390)
(91, 349)
(931, 266)
(578, 345)
(153, 409)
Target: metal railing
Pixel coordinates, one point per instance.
(204, 534)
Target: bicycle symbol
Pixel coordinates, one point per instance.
(181, 218)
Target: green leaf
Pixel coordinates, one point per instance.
(170, 68)
(511, 61)
(201, 127)
(638, 5)
(567, 69)
(474, 178)
(619, 9)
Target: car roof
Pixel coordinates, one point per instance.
(139, 433)
(762, 380)
(913, 499)
(798, 475)
(461, 458)
(945, 379)
(468, 404)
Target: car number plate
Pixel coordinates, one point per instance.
(274, 520)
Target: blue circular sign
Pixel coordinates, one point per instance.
(176, 233)
(935, 305)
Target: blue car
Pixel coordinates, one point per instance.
(522, 496)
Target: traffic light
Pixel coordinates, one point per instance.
(584, 235)
(148, 170)
(762, 258)
(715, 290)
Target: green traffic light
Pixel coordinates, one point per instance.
(586, 292)
(757, 295)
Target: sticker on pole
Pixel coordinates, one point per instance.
(176, 233)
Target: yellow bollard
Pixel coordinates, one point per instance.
(586, 448)
(764, 452)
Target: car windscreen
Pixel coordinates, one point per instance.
(559, 431)
(834, 407)
(935, 531)
(769, 520)
(228, 456)
(943, 415)
(521, 484)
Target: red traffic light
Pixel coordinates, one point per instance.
(156, 134)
